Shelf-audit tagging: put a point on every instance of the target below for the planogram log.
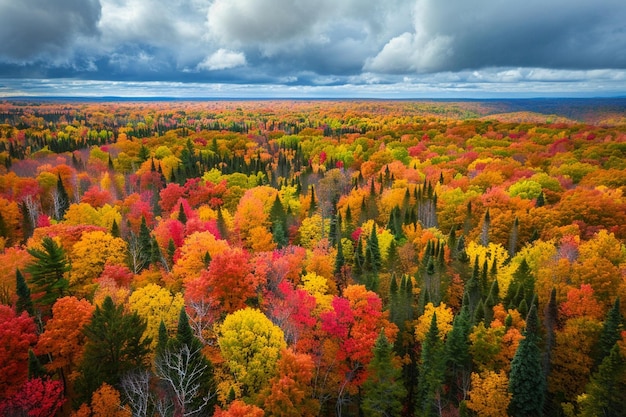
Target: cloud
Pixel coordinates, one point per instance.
(44, 29)
(223, 59)
(403, 43)
(456, 34)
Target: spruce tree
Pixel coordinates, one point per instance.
(383, 390)
(527, 383)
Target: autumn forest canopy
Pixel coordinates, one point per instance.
(313, 258)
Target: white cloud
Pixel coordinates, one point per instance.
(222, 59)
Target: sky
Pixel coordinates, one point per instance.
(305, 48)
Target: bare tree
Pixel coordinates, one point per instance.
(185, 373)
(136, 388)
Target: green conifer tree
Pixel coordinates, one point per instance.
(527, 383)
(383, 390)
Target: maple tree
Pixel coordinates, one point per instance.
(17, 336)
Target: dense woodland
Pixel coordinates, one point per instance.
(312, 258)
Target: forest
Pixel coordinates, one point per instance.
(312, 258)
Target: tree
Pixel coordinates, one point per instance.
(457, 349)
(229, 280)
(489, 396)
(186, 372)
(63, 338)
(611, 332)
(606, 392)
(527, 383)
(38, 397)
(115, 345)
(239, 408)
(92, 253)
(290, 393)
(61, 200)
(431, 373)
(250, 344)
(383, 390)
(156, 305)
(48, 272)
(24, 301)
(105, 402)
(17, 336)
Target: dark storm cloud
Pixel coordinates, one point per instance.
(456, 34)
(44, 29)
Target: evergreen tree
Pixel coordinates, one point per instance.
(145, 242)
(458, 358)
(171, 250)
(115, 345)
(221, 224)
(313, 206)
(527, 384)
(187, 374)
(28, 226)
(606, 390)
(47, 272)
(540, 200)
(62, 200)
(484, 236)
(383, 391)
(24, 300)
(182, 217)
(374, 249)
(340, 260)
(431, 372)
(611, 332)
(35, 368)
(115, 229)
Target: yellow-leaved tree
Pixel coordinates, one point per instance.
(489, 396)
(444, 321)
(250, 344)
(155, 304)
(90, 254)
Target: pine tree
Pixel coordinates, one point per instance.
(611, 332)
(431, 375)
(115, 345)
(28, 227)
(115, 229)
(374, 249)
(24, 300)
(527, 384)
(383, 390)
(186, 372)
(540, 200)
(221, 224)
(47, 272)
(63, 200)
(182, 217)
(458, 358)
